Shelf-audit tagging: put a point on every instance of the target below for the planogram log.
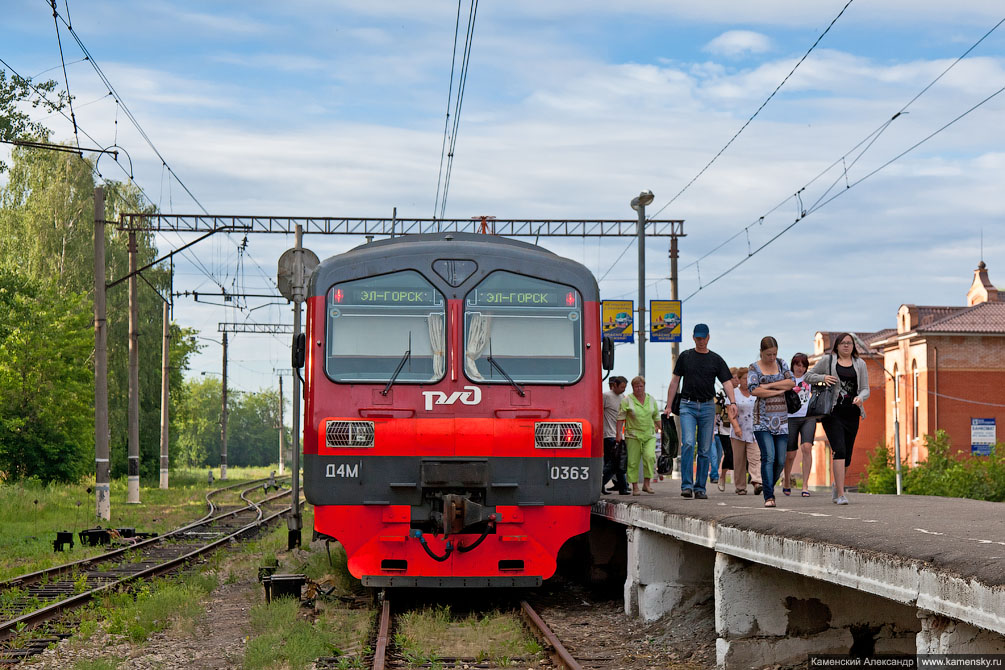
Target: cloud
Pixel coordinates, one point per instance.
(734, 43)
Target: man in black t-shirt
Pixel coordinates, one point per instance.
(699, 367)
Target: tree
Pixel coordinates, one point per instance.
(15, 93)
(46, 428)
(252, 426)
(46, 237)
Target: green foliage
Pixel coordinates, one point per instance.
(282, 639)
(943, 474)
(47, 245)
(252, 426)
(148, 610)
(46, 422)
(15, 123)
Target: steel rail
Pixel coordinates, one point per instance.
(57, 570)
(559, 654)
(383, 635)
(9, 628)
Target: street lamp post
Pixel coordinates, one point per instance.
(896, 429)
(639, 205)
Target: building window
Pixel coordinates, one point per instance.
(917, 401)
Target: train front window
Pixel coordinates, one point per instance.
(378, 323)
(531, 329)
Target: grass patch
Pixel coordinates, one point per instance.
(147, 610)
(97, 664)
(427, 635)
(283, 639)
(33, 512)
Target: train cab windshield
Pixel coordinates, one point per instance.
(523, 329)
(382, 325)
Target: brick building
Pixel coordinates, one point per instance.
(941, 367)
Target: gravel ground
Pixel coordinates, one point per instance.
(599, 634)
(593, 627)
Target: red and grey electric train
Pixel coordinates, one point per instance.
(453, 421)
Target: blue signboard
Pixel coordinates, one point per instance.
(982, 436)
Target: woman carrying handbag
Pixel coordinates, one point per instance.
(842, 367)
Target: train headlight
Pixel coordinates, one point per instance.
(349, 434)
(558, 435)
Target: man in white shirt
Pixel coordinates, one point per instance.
(612, 455)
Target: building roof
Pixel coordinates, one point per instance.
(984, 317)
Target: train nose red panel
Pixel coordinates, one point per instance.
(526, 542)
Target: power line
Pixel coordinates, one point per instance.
(66, 79)
(806, 213)
(868, 141)
(461, 84)
(93, 167)
(754, 115)
(450, 94)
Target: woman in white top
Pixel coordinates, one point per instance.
(746, 455)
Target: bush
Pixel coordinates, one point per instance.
(943, 474)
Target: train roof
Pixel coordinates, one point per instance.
(490, 253)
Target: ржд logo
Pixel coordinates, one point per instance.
(471, 396)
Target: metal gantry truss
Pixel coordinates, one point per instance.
(264, 328)
(392, 226)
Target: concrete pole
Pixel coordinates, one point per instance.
(642, 290)
(223, 414)
(165, 361)
(133, 478)
(294, 523)
(102, 503)
(282, 427)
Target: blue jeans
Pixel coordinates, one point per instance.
(772, 449)
(714, 459)
(697, 424)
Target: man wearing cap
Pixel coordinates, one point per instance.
(699, 367)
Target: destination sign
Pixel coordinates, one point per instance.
(532, 298)
(354, 295)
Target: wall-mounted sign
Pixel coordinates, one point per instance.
(983, 435)
(664, 320)
(617, 318)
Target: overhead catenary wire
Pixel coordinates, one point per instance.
(446, 122)
(125, 109)
(868, 141)
(848, 188)
(459, 103)
(92, 166)
(758, 111)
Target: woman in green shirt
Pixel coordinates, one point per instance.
(636, 419)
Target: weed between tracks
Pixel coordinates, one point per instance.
(286, 638)
(432, 634)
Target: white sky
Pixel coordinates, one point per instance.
(571, 108)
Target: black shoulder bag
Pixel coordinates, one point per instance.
(822, 399)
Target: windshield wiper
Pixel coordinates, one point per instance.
(397, 371)
(519, 389)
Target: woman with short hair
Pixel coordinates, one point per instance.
(801, 429)
(842, 366)
(636, 419)
(768, 380)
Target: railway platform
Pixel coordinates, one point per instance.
(885, 574)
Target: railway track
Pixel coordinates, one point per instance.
(29, 600)
(383, 659)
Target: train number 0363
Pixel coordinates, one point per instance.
(570, 472)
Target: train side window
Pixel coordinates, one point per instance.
(530, 328)
(376, 324)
